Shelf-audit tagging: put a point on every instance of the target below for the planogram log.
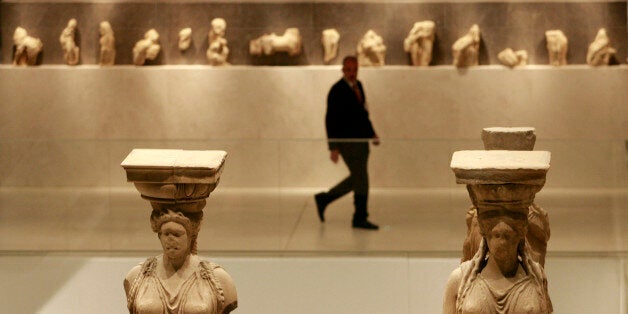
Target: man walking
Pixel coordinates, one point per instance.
(349, 130)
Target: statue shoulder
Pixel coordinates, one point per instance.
(130, 277)
(148, 266)
(227, 286)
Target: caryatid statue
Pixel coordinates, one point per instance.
(27, 48)
(538, 234)
(147, 48)
(371, 50)
(419, 43)
(556, 47)
(176, 183)
(107, 45)
(501, 277)
(600, 50)
(466, 50)
(330, 38)
(217, 52)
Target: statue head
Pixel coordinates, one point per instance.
(72, 23)
(219, 25)
(105, 28)
(504, 231)
(152, 35)
(169, 226)
(19, 35)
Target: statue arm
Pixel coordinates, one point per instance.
(451, 292)
(130, 277)
(228, 288)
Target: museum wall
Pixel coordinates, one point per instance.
(71, 126)
(518, 25)
(63, 126)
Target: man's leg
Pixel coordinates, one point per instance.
(357, 161)
(324, 198)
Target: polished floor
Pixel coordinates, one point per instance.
(66, 250)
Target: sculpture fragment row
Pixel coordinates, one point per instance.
(370, 50)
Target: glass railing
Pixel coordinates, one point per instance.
(72, 195)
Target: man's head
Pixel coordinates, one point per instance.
(350, 68)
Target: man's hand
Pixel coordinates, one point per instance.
(375, 140)
(333, 155)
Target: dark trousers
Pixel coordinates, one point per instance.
(355, 156)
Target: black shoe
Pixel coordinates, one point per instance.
(320, 205)
(365, 224)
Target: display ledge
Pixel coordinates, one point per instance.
(492, 67)
(299, 1)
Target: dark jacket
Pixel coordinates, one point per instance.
(346, 117)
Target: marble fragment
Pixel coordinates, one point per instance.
(557, 46)
(466, 49)
(147, 48)
(269, 44)
(419, 43)
(371, 50)
(330, 38)
(107, 45)
(26, 48)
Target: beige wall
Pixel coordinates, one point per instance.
(62, 126)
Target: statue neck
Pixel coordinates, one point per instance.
(176, 263)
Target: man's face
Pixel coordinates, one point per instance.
(350, 70)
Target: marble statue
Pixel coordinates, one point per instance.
(556, 47)
(466, 49)
(269, 44)
(27, 48)
(185, 39)
(501, 277)
(330, 38)
(147, 48)
(70, 50)
(107, 45)
(511, 58)
(371, 50)
(600, 51)
(512, 138)
(419, 43)
(217, 52)
(177, 281)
